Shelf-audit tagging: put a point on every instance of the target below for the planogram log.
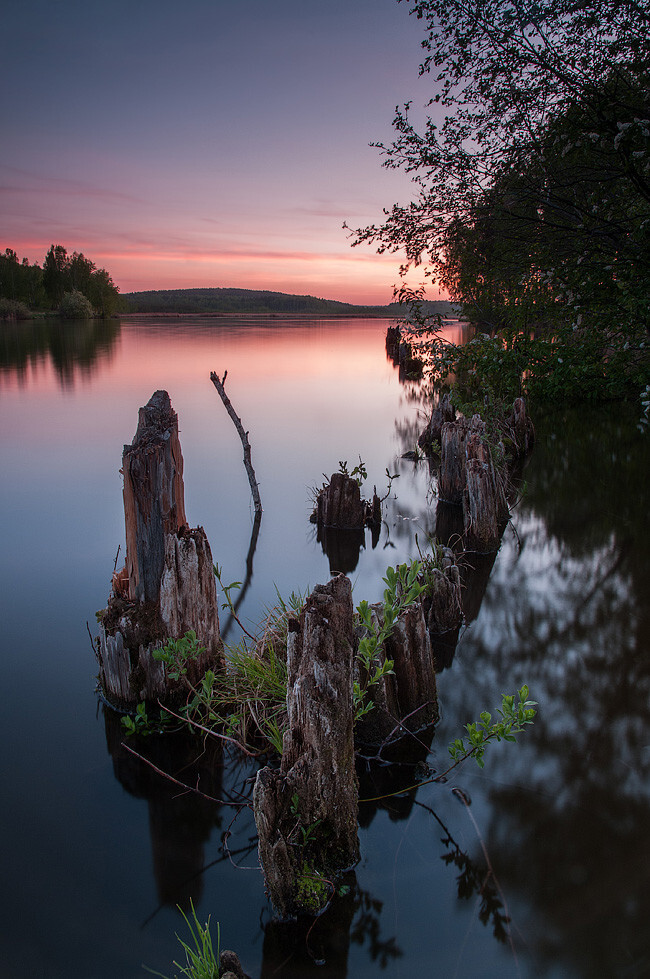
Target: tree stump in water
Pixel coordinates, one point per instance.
(484, 503)
(339, 504)
(451, 478)
(442, 413)
(522, 430)
(306, 813)
(392, 344)
(168, 582)
(407, 699)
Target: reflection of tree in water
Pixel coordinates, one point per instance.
(567, 612)
(74, 349)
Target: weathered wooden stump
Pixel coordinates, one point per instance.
(484, 503)
(339, 504)
(410, 366)
(451, 477)
(392, 344)
(306, 813)
(442, 604)
(521, 429)
(167, 586)
(443, 412)
(407, 699)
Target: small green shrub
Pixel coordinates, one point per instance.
(75, 306)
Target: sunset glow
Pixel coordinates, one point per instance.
(222, 147)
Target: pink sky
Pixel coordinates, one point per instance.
(213, 145)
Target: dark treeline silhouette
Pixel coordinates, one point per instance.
(257, 301)
(25, 287)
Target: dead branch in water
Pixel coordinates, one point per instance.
(250, 472)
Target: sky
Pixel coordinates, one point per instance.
(210, 143)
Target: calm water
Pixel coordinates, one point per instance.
(97, 851)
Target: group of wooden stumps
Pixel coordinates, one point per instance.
(306, 810)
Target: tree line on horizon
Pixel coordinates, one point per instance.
(69, 284)
(227, 301)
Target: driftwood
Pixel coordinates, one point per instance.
(250, 472)
(167, 586)
(306, 813)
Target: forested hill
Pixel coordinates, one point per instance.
(257, 302)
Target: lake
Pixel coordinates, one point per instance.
(98, 850)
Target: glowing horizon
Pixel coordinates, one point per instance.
(218, 146)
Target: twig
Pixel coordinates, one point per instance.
(207, 730)
(183, 785)
(250, 472)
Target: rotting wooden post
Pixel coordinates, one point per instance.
(154, 497)
(484, 504)
(167, 587)
(407, 699)
(443, 607)
(339, 504)
(451, 478)
(306, 813)
(248, 465)
(443, 412)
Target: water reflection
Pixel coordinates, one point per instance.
(71, 349)
(180, 821)
(567, 610)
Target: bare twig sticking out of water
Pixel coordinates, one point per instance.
(183, 785)
(250, 472)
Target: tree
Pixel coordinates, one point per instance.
(533, 194)
(55, 274)
(523, 84)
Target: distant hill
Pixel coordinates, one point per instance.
(255, 302)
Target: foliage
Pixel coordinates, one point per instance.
(533, 193)
(75, 306)
(360, 473)
(20, 282)
(201, 958)
(513, 716)
(11, 309)
(143, 724)
(176, 654)
(75, 273)
(402, 590)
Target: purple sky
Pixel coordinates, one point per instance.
(206, 143)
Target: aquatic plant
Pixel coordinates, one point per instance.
(201, 959)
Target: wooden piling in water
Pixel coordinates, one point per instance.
(167, 586)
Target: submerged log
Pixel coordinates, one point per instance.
(306, 813)
(168, 577)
